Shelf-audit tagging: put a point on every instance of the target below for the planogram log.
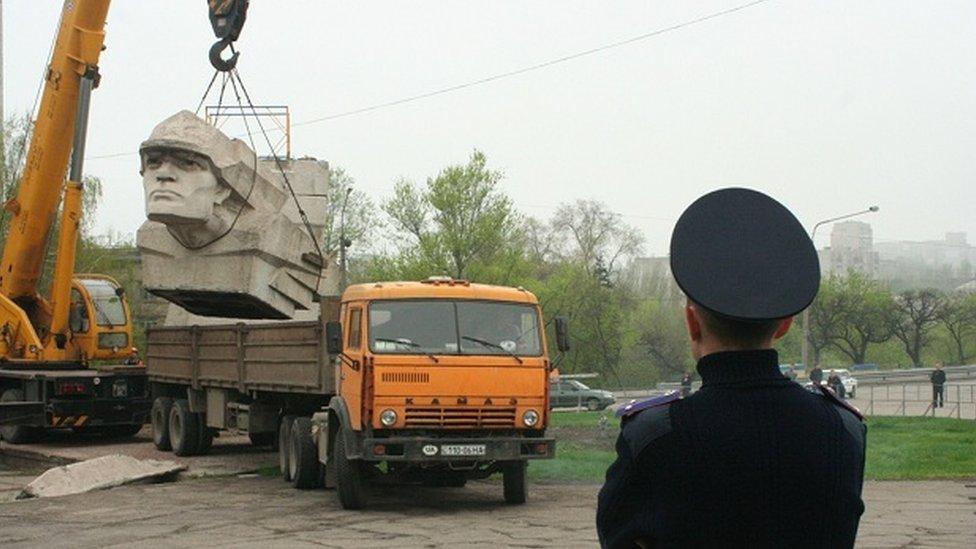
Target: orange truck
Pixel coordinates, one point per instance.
(433, 382)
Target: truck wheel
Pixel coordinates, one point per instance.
(17, 434)
(284, 446)
(303, 462)
(513, 479)
(184, 429)
(160, 423)
(263, 439)
(349, 476)
(205, 442)
(592, 404)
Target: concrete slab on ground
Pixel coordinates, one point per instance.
(230, 455)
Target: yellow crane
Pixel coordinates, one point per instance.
(47, 343)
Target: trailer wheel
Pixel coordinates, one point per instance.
(17, 434)
(184, 429)
(349, 476)
(284, 446)
(160, 422)
(303, 463)
(513, 479)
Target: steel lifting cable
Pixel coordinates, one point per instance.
(281, 169)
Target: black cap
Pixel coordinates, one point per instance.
(743, 255)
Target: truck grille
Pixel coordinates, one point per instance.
(405, 377)
(462, 418)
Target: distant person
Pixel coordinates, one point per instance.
(790, 372)
(686, 385)
(720, 467)
(938, 379)
(837, 384)
(816, 374)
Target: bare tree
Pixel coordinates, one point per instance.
(595, 235)
(918, 311)
(866, 309)
(958, 315)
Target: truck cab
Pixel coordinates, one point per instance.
(443, 380)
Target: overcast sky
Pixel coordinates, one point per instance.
(830, 106)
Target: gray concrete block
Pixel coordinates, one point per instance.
(98, 474)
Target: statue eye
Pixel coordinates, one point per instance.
(190, 164)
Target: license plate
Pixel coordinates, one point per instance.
(119, 389)
(462, 449)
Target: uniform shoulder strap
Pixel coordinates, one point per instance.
(829, 394)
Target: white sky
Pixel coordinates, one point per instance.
(830, 106)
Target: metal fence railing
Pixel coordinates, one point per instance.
(916, 399)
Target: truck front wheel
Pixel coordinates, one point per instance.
(160, 423)
(513, 479)
(349, 476)
(184, 429)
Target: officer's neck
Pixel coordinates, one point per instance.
(708, 344)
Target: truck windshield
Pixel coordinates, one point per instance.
(107, 304)
(454, 327)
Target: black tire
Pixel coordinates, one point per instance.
(592, 404)
(17, 434)
(263, 439)
(349, 476)
(303, 462)
(284, 446)
(513, 479)
(184, 429)
(160, 423)
(121, 431)
(206, 435)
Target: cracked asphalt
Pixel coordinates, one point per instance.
(252, 511)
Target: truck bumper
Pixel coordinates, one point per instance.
(104, 411)
(428, 449)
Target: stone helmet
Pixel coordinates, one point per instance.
(233, 162)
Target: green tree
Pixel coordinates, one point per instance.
(589, 233)
(918, 311)
(866, 308)
(349, 211)
(459, 224)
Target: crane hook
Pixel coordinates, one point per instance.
(218, 62)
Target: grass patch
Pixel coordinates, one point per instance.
(899, 448)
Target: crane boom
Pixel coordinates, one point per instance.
(76, 52)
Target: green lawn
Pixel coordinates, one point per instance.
(899, 448)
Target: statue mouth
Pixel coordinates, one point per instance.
(165, 195)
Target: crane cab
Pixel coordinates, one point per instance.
(99, 318)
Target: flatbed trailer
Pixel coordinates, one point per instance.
(242, 378)
(110, 398)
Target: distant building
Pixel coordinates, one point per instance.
(851, 249)
(953, 252)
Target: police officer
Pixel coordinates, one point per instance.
(741, 461)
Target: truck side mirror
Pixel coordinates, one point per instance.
(562, 334)
(333, 337)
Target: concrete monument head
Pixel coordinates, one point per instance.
(185, 165)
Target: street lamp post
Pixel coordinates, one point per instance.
(806, 312)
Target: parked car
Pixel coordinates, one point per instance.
(566, 393)
(849, 381)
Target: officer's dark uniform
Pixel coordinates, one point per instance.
(751, 459)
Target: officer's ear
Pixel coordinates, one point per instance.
(694, 322)
(784, 326)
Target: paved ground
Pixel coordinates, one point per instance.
(265, 512)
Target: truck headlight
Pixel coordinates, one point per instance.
(530, 418)
(388, 418)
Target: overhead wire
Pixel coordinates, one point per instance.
(514, 72)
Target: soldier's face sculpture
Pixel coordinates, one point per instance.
(181, 187)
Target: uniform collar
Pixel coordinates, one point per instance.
(732, 366)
